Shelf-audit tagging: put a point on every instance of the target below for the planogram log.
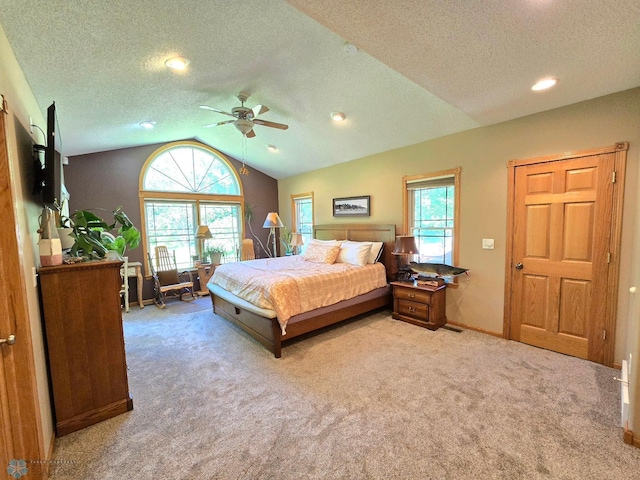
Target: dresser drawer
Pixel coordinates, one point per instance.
(412, 294)
(413, 309)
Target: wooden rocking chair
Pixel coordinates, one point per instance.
(167, 280)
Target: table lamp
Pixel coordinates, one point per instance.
(203, 233)
(296, 241)
(272, 222)
(405, 246)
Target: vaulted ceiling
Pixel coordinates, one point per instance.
(420, 69)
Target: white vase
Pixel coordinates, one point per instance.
(65, 237)
(49, 242)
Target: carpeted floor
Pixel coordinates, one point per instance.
(373, 398)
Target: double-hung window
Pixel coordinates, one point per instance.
(184, 185)
(431, 215)
(302, 216)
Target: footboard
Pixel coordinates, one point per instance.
(265, 330)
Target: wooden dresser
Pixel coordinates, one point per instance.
(420, 305)
(85, 343)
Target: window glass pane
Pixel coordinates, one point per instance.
(434, 249)
(223, 221)
(433, 221)
(190, 169)
(173, 225)
(304, 220)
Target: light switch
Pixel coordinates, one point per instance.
(487, 243)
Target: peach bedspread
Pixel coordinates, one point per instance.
(291, 285)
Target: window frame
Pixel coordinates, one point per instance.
(406, 206)
(294, 212)
(196, 198)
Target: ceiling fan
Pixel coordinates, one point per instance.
(245, 117)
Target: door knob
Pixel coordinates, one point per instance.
(519, 266)
(10, 340)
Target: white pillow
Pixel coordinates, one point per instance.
(355, 253)
(319, 253)
(376, 251)
(325, 242)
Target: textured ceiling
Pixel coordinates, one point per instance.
(424, 69)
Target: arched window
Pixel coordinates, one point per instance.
(184, 185)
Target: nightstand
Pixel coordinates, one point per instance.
(420, 305)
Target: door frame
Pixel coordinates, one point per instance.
(19, 406)
(611, 295)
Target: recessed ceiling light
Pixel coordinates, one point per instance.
(338, 116)
(272, 148)
(147, 124)
(544, 84)
(177, 63)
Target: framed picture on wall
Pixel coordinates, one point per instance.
(351, 206)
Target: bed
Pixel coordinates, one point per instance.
(264, 325)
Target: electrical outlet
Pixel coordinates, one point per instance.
(35, 276)
(30, 124)
(488, 243)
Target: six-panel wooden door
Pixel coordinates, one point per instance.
(563, 226)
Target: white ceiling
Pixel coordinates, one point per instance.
(424, 69)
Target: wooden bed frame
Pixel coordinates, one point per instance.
(267, 330)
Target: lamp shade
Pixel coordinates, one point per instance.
(273, 221)
(296, 240)
(406, 245)
(203, 232)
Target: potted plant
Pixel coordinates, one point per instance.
(93, 235)
(214, 254)
(285, 239)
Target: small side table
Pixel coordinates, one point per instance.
(134, 269)
(204, 274)
(420, 305)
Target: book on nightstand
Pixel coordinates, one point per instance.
(429, 281)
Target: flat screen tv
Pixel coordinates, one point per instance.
(51, 178)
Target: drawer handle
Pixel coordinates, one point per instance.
(412, 295)
(412, 309)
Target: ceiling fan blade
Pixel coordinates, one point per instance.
(218, 124)
(251, 134)
(259, 110)
(207, 107)
(281, 126)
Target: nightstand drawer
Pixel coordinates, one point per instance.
(412, 294)
(413, 309)
(419, 305)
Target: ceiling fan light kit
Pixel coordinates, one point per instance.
(243, 126)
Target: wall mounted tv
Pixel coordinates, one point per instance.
(48, 179)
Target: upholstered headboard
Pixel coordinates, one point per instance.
(362, 232)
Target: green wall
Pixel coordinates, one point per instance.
(483, 154)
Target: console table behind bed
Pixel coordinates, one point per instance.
(267, 330)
